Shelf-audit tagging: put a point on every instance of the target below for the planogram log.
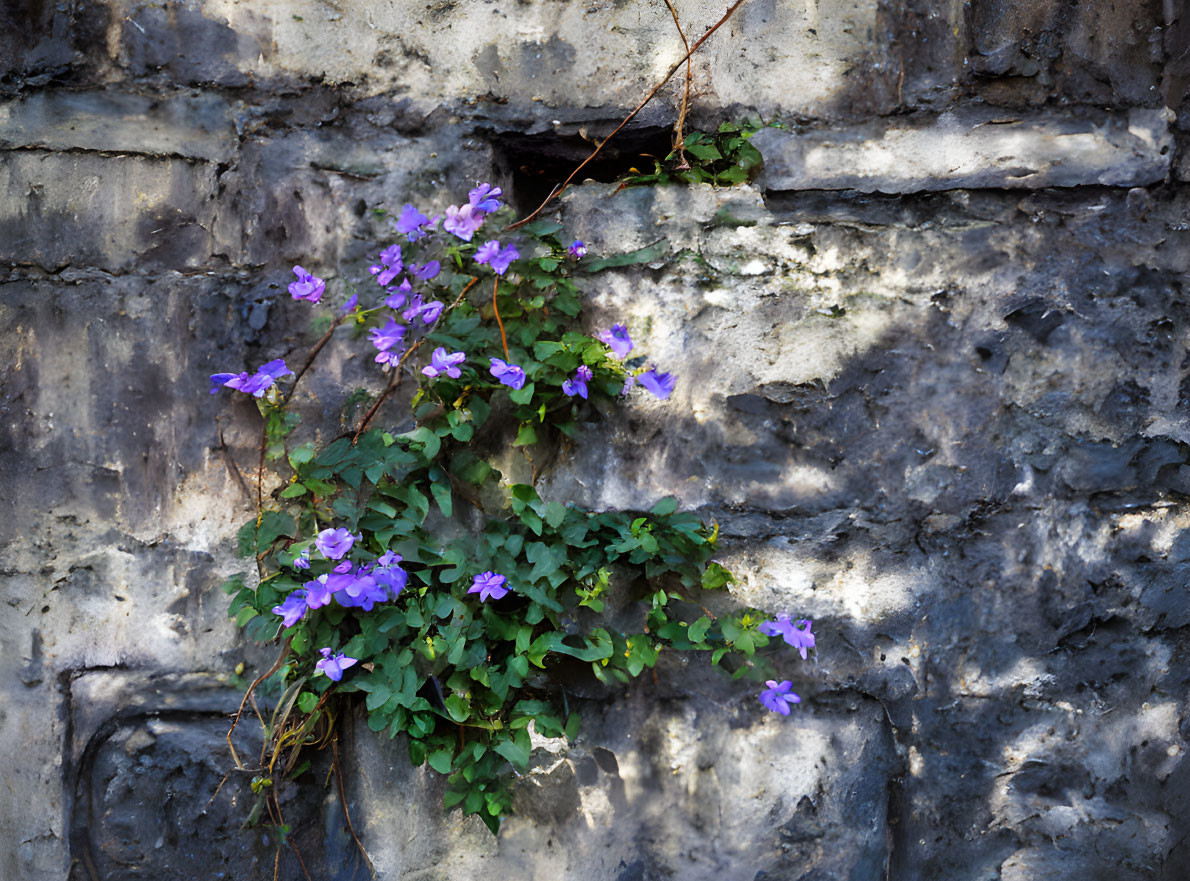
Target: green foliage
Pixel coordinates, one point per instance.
(464, 680)
(722, 158)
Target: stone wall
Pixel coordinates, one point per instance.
(934, 386)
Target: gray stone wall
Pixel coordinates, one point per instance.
(933, 371)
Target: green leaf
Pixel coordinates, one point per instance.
(647, 254)
(716, 577)
(378, 697)
(707, 153)
(423, 437)
(665, 507)
(522, 395)
(525, 436)
(440, 760)
(516, 753)
(293, 491)
(307, 702)
(542, 227)
(698, 630)
(555, 513)
(301, 455)
(458, 707)
(442, 495)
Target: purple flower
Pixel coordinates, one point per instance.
(629, 382)
(431, 312)
(384, 338)
(414, 309)
(334, 543)
(508, 374)
(307, 287)
(302, 560)
(660, 384)
(292, 610)
(410, 223)
(483, 197)
(577, 249)
(463, 221)
(427, 271)
(793, 634)
(617, 340)
(255, 384)
(349, 305)
(318, 592)
(498, 258)
(487, 251)
(389, 575)
(333, 667)
(777, 697)
(443, 362)
(495, 256)
(391, 258)
(489, 585)
(400, 296)
(578, 385)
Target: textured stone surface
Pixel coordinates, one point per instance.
(951, 424)
(974, 149)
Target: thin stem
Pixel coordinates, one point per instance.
(393, 382)
(318, 346)
(496, 308)
(630, 116)
(251, 688)
(680, 125)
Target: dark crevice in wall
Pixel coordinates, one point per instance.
(534, 164)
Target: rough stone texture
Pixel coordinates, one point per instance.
(949, 422)
(973, 149)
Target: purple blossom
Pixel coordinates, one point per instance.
(483, 197)
(578, 385)
(307, 287)
(793, 634)
(617, 340)
(498, 258)
(334, 543)
(349, 305)
(391, 258)
(255, 384)
(508, 374)
(318, 592)
(487, 251)
(464, 221)
(414, 309)
(426, 272)
(443, 362)
(629, 382)
(341, 578)
(577, 249)
(400, 296)
(489, 585)
(660, 384)
(777, 697)
(410, 223)
(333, 666)
(292, 610)
(385, 338)
(302, 560)
(389, 575)
(364, 594)
(431, 312)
